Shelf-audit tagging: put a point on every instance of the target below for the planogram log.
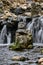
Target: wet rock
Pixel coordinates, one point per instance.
(38, 1)
(21, 25)
(1, 4)
(27, 14)
(1, 8)
(21, 31)
(15, 5)
(41, 51)
(17, 10)
(28, 19)
(42, 63)
(18, 58)
(36, 9)
(15, 64)
(22, 2)
(23, 6)
(40, 60)
(28, 7)
(6, 2)
(22, 41)
(21, 18)
(41, 4)
(41, 12)
(30, 46)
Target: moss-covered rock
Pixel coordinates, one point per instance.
(22, 41)
(14, 47)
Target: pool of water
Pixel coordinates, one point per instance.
(32, 55)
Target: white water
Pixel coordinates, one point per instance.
(9, 38)
(34, 28)
(4, 36)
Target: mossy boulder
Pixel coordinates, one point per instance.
(23, 41)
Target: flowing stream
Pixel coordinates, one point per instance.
(32, 54)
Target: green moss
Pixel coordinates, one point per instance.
(1, 10)
(41, 50)
(18, 47)
(14, 47)
(30, 46)
(22, 45)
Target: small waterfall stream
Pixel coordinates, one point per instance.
(34, 26)
(4, 38)
(9, 38)
(3, 34)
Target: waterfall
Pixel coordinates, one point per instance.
(34, 28)
(3, 34)
(30, 26)
(40, 33)
(4, 38)
(9, 38)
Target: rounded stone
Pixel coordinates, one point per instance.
(40, 60)
(42, 63)
(18, 58)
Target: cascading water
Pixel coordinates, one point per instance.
(3, 34)
(40, 33)
(4, 38)
(9, 38)
(36, 28)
